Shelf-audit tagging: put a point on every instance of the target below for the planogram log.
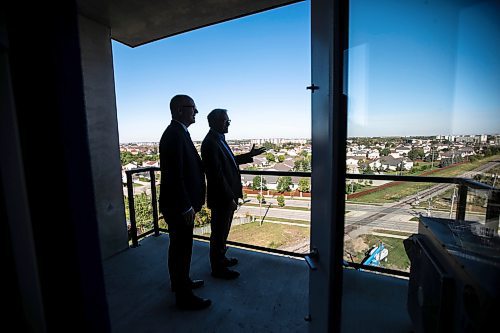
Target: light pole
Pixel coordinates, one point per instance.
(429, 206)
(260, 201)
(453, 196)
(432, 158)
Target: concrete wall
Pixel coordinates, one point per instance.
(100, 104)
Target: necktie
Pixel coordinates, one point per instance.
(224, 143)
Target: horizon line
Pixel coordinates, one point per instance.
(348, 138)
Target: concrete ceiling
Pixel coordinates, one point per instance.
(136, 22)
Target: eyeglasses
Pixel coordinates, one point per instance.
(191, 106)
(227, 121)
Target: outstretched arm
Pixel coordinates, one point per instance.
(254, 152)
(248, 157)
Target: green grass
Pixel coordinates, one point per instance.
(393, 193)
(393, 232)
(271, 235)
(279, 219)
(396, 259)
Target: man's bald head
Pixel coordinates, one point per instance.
(179, 101)
(183, 109)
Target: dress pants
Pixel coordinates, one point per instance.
(179, 253)
(222, 217)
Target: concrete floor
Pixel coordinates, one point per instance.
(271, 295)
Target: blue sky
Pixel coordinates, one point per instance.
(422, 68)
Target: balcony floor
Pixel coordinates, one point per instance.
(271, 295)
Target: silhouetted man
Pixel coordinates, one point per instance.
(224, 189)
(182, 193)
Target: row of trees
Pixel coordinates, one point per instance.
(270, 157)
(303, 163)
(414, 154)
(127, 157)
(284, 184)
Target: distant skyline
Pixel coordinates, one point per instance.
(415, 68)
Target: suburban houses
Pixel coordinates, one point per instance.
(363, 155)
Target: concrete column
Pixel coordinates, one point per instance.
(100, 105)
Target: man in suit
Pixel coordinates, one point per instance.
(182, 193)
(224, 189)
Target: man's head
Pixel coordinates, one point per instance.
(183, 109)
(219, 121)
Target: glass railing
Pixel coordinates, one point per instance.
(382, 211)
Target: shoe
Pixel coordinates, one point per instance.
(230, 262)
(191, 302)
(227, 274)
(194, 284)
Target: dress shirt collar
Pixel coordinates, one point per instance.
(183, 126)
(221, 137)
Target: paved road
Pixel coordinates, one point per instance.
(377, 217)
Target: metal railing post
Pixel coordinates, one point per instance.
(131, 209)
(154, 203)
(462, 202)
(493, 211)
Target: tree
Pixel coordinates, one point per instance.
(268, 145)
(143, 212)
(256, 185)
(304, 153)
(385, 151)
(261, 198)
(304, 185)
(303, 164)
(281, 158)
(352, 187)
(126, 157)
(445, 162)
(297, 165)
(270, 157)
(203, 217)
(416, 154)
(284, 184)
(281, 200)
(368, 170)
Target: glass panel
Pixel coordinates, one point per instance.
(280, 208)
(422, 84)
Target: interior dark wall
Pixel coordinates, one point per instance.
(47, 85)
(11, 300)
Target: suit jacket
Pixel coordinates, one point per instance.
(223, 176)
(182, 177)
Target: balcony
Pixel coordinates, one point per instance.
(272, 294)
